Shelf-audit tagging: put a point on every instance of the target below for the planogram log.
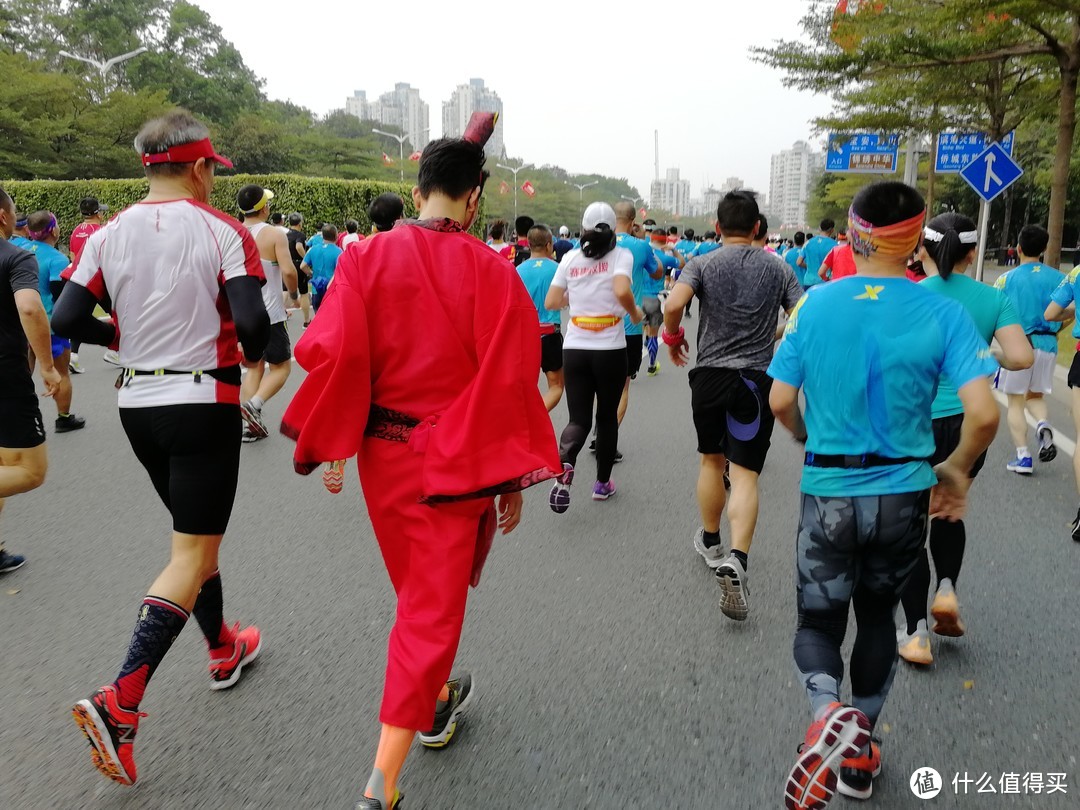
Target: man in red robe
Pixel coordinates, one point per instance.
(428, 342)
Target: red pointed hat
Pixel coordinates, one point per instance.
(481, 127)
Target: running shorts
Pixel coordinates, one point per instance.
(551, 352)
(947, 439)
(192, 454)
(60, 345)
(302, 280)
(1074, 372)
(634, 345)
(279, 348)
(730, 417)
(1039, 379)
(654, 313)
(21, 427)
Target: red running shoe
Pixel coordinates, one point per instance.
(857, 775)
(840, 734)
(110, 730)
(228, 661)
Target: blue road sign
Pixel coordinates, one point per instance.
(863, 153)
(955, 150)
(992, 172)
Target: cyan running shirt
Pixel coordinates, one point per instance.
(686, 247)
(1030, 287)
(708, 246)
(868, 354)
(991, 310)
(644, 263)
(1066, 293)
(792, 256)
(322, 259)
(537, 275)
(814, 252)
(51, 263)
(655, 286)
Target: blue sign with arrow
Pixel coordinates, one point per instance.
(991, 172)
(955, 150)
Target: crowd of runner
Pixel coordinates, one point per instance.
(194, 303)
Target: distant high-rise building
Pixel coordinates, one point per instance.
(710, 199)
(671, 194)
(402, 108)
(467, 99)
(732, 184)
(793, 174)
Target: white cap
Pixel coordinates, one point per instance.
(564, 231)
(598, 213)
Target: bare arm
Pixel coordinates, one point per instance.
(949, 498)
(1056, 312)
(35, 324)
(625, 295)
(1016, 352)
(784, 402)
(557, 298)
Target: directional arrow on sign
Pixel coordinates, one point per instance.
(991, 172)
(991, 178)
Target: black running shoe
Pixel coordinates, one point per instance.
(1076, 527)
(447, 718)
(66, 424)
(375, 804)
(10, 562)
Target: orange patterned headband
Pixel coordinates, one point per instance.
(898, 240)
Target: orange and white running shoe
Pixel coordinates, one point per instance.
(838, 735)
(946, 611)
(857, 774)
(110, 730)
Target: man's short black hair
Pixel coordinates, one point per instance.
(673, 230)
(6, 201)
(452, 167)
(762, 227)
(296, 218)
(539, 236)
(710, 235)
(688, 233)
(276, 218)
(827, 225)
(887, 203)
(385, 210)
(800, 238)
(497, 229)
(737, 214)
(248, 197)
(329, 232)
(1033, 240)
(522, 226)
(352, 226)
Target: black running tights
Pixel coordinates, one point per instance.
(947, 542)
(593, 378)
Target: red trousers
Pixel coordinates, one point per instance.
(428, 552)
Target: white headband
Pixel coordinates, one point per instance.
(966, 237)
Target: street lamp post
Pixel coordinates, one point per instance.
(400, 147)
(581, 194)
(107, 65)
(515, 171)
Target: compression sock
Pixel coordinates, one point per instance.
(710, 539)
(654, 347)
(208, 612)
(160, 622)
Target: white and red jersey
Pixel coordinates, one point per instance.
(77, 240)
(164, 267)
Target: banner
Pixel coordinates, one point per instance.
(504, 187)
(415, 155)
(389, 161)
(528, 188)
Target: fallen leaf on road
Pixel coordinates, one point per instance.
(13, 591)
(969, 684)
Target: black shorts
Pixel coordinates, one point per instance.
(192, 453)
(730, 418)
(20, 423)
(634, 343)
(947, 439)
(551, 352)
(1074, 372)
(301, 282)
(279, 348)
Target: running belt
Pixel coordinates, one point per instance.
(858, 462)
(229, 374)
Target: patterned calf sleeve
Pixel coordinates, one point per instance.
(160, 622)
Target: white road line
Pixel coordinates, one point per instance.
(1063, 442)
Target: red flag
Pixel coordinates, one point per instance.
(504, 187)
(415, 155)
(389, 161)
(528, 188)
(643, 213)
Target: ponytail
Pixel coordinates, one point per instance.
(598, 242)
(948, 239)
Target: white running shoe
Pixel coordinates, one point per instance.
(713, 555)
(731, 577)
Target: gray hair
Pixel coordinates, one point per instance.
(161, 134)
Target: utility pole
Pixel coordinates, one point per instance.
(581, 194)
(401, 147)
(104, 67)
(515, 172)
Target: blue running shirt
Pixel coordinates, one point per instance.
(1029, 287)
(644, 263)
(537, 274)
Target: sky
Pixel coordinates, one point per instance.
(582, 87)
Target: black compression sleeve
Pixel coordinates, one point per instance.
(249, 315)
(73, 317)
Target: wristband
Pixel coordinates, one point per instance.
(673, 340)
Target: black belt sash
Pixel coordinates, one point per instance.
(859, 462)
(229, 375)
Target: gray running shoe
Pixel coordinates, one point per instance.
(253, 419)
(731, 577)
(714, 555)
(447, 718)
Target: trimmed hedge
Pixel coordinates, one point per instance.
(319, 200)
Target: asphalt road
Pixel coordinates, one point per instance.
(606, 675)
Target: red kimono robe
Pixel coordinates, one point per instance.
(423, 362)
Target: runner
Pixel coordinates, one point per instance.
(179, 398)
(44, 236)
(430, 492)
(497, 235)
(320, 262)
(949, 247)
(20, 236)
(867, 481)
(595, 280)
(93, 214)
(518, 251)
(840, 261)
(23, 460)
(260, 384)
(1030, 287)
(793, 255)
(537, 274)
(385, 211)
(297, 250)
(708, 245)
(1062, 308)
(672, 262)
(351, 235)
(815, 251)
(563, 245)
(647, 273)
(742, 290)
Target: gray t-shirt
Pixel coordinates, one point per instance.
(741, 289)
